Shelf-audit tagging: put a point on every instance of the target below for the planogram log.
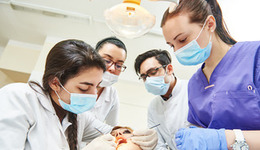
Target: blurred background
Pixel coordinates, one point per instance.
(29, 29)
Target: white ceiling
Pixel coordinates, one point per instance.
(242, 18)
(32, 27)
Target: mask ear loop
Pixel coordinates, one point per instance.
(57, 94)
(64, 87)
(210, 37)
(201, 30)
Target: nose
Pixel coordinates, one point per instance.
(111, 68)
(118, 134)
(93, 90)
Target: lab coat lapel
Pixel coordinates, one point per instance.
(104, 97)
(46, 103)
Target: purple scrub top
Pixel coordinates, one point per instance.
(231, 98)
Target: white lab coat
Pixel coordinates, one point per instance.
(171, 115)
(28, 121)
(107, 107)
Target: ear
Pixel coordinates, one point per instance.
(169, 69)
(55, 84)
(211, 23)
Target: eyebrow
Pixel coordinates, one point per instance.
(86, 83)
(148, 71)
(110, 57)
(177, 36)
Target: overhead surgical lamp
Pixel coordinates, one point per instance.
(129, 19)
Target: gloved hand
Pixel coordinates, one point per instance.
(194, 138)
(104, 142)
(146, 139)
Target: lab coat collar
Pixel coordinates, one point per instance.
(175, 91)
(44, 99)
(104, 96)
(177, 88)
(66, 123)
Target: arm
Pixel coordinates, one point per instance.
(94, 139)
(251, 137)
(14, 120)
(203, 138)
(112, 117)
(91, 123)
(161, 143)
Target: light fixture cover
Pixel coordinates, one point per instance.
(129, 20)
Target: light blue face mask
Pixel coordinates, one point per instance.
(156, 85)
(79, 103)
(192, 53)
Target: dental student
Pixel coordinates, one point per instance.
(53, 116)
(170, 107)
(114, 53)
(224, 93)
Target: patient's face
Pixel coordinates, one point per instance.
(123, 139)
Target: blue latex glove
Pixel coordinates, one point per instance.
(194, 138)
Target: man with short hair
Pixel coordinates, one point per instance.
(170, 107)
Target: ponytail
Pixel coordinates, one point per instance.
(73, 132)
(221, 29)
(198, 11)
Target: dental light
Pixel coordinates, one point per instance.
(129, 19)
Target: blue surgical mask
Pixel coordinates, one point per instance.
(156, 85)
(79, 103)
(192, 53)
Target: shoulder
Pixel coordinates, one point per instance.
(113, 94)
(16, 88)
(195, 77)
(20, 94)
(109, 94)
(182, 87)
(245, 53)
(182, 82)
(156, 102)
(248, 43)
(110, 90)
(248, 47)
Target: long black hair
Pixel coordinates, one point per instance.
(64, 61)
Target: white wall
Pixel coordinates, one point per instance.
(242, 18)
(1, 50)
(134, 101)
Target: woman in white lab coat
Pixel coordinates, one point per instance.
(113, 51)
(51, 116)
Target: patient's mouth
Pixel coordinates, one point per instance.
(120, 140)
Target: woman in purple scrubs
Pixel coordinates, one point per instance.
(224, 92)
